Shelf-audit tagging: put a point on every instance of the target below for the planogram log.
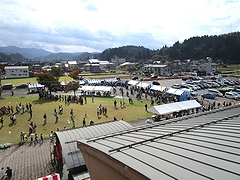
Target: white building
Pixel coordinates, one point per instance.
(16, 71)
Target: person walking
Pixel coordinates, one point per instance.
(51, 135)
(45, 118)
(36, 139)
(8, 173)
(146, 106)
(41, 138)
(1, 121)
(71, 114)
(30, 113)
(73, 123)
(56, 117)
(22, 137)
(2, 176)
(84, 122)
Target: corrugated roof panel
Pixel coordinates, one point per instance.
(68, 139)
(206, 144)
(203, 147)
(151, 169)
(193, 147)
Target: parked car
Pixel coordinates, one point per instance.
(7, 86)
(231, 95)
(215, 92)
(176, 86)
(155, 83)
(193, 96)
(153, 76)
(22, 86)
(135, 78)
(208, 95)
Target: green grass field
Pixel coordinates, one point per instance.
(11, 134)
(31, 80)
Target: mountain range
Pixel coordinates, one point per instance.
(43, 55)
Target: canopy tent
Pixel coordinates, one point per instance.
(191, 104)
(158, 88)
(103, 88)
(110, 80)
(94, 81)
(86, 88)
(179, 92)
(133, 82)
(174, 107)
(95, 88)
(171, 91)
(64, 83)
(143, 85)
(164, 109)
(35, 86)
(82, 82)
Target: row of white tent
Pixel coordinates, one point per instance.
(174, 107)
(157, 87)
(95, 88)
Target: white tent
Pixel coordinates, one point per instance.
(171, 91)
(157, 88)
(95, 88)
(35, 86)
(174, 107)
(86, 88)
(103, 88)
(143, 85)
(189, 104)
(133, 82)
(179, 92)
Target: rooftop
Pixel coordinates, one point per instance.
(200, 146)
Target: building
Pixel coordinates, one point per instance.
(16, 71)
(70, 65)
(199, 146)
(117, 61)
(157, 69)
(68, 157)
(128, 66)
(94, 66)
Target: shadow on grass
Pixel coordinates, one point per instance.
(42, 101)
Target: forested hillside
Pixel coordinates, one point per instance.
(225, 47)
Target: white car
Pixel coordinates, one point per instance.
(193, 87)
(231, 95)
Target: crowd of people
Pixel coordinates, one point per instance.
(126, 91)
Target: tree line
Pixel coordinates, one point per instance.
(219, 47)
(223, 47)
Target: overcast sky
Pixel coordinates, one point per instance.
(95, 25)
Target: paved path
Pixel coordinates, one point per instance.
(27, 161)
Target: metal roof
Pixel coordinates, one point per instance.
(200, 146)
(68, 139)
(15, 67)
